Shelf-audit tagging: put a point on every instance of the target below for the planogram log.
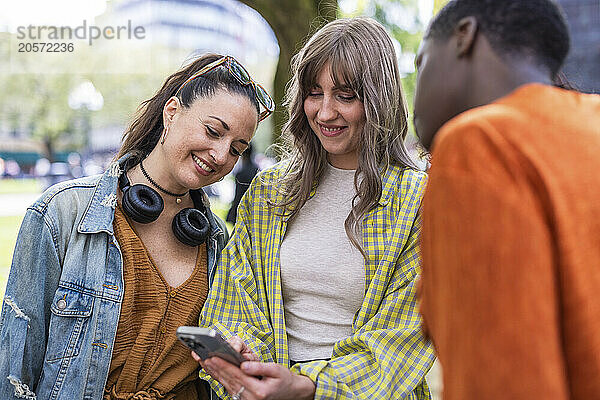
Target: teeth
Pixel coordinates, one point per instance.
(331, 129)
(201, 164)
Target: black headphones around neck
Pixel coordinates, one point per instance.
(144, 204)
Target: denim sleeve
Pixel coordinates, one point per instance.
(33, 279)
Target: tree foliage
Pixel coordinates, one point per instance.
(438, 4)
(37, 103)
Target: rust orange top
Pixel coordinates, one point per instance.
(148, 361)
(510, 289)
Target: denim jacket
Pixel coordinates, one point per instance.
(65, 288)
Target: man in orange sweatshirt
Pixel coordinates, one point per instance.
(510, 289)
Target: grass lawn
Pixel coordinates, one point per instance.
(9, 228)
(20, 186)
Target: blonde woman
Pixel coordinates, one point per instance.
(317, 285)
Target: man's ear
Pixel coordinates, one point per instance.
(170, 109)
(465, 34)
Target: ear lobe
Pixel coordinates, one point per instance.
(465, 33)
(170, 108)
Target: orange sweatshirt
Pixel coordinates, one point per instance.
(510, 289)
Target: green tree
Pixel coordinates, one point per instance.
(408, 31)
(292, 21)
(38, 102)
(438, 4)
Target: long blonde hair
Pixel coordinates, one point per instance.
(362, 57)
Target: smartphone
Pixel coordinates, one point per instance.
(208, 343)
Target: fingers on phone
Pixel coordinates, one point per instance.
(195, 356)
(260, 369)
(236, 343)
(207, 369)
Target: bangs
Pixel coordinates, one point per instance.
(343, 70)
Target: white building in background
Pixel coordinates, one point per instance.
(200, 26)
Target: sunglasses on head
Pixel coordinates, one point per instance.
(239, 72)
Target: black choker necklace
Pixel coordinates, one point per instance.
(156, 185)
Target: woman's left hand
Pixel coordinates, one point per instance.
(277, 382)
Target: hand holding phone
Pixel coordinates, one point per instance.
(208, 343)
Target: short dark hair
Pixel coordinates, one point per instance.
(536, 27)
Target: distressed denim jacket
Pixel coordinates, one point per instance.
(65, 288)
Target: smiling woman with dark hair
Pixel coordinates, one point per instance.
(107, 267)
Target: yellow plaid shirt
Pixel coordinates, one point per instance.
(387, 356)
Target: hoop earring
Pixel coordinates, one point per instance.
(164, 135)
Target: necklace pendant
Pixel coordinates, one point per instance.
(178, 200)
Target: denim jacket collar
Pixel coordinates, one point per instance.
(99, 214)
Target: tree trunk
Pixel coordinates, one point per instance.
(292, 21)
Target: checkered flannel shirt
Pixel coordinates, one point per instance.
(387, 356)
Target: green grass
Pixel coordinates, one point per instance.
(9, 228)
(20, 186)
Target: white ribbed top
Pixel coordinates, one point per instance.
(323, 275)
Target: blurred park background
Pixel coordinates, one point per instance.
(65, 110)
